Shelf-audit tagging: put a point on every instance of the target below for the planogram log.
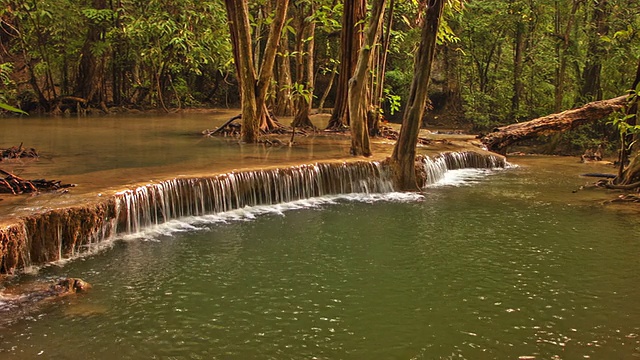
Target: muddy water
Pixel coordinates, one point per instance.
(105, 154)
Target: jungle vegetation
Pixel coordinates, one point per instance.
(496, 62)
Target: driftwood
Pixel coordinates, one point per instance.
(13, 184)
(17, 152)
(226, 129)
(507, 135)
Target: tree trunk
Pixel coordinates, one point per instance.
(404, 153)
(284, 103)
(267, 123)
(90, 74)
(351, 41)
(562, 49)
(518, 53)
(373, 118)
(305, 71)
(358, 104)
(504, 136)
(253, 89)
(591, 88)
(238, 17)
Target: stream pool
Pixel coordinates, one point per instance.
(495, 265)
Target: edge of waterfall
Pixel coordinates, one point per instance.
(68, 232)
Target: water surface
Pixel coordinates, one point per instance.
(508, 265)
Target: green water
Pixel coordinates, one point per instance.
(501, 268)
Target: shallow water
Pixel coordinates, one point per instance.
(106, 154)
(505, 265)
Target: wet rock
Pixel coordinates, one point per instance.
(21, 301)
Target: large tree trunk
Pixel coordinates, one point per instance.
(591, 88)
(504, 136)
(562, 52)
(351, 41)
(238, 17)
(253, 89)
(404, 153)
(358, 104)
(90, 71)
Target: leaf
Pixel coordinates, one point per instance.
(12, 109)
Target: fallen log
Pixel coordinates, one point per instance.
(504, 136)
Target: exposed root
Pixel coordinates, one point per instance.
(17, 152)
(13, 184)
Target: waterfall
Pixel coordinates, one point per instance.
(157, 203)
(65, 233)
(435, 168)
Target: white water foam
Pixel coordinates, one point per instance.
(464, 177)
(249, 213)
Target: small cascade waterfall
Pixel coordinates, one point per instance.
(68, 232)
(157, 203)
(436, 168)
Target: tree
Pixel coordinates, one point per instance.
(254, 84)
(404, 152)
(357, 97)
(305, 44)
(351, 40)
(598, 28)
(89, 80)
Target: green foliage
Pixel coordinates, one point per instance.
(11, 109)
(622, 119)
(300, 91)
(392, 100)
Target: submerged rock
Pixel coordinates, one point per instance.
(22, 301)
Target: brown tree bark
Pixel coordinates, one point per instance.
(504, 136)
(305, 67)
(90, 70)
(253, 89)
(404, 153)
(283, 100)
(562, 49)
(591, 88)
(238, 18)
(358, 104)
(351, 41)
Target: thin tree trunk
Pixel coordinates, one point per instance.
(358, 104)
(518, 53)
(591, 88)
(284, 103)
(305, 70)
(238, 17)
(327, 90)
(266, 122)
(351, 40)
(404, 153)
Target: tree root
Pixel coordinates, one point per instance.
(13, 184)
(17, 152)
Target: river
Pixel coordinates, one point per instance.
(496, 265)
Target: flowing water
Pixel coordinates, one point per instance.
(484, 265)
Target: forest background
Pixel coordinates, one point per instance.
(497, 62)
